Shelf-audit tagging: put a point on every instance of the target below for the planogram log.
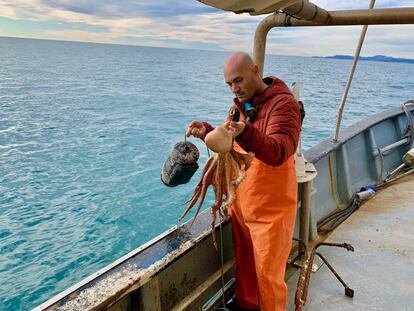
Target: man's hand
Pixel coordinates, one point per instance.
(235, 128)
(196, 129)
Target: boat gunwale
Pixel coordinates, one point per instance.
(320, 150)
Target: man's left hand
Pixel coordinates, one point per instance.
(235, 128)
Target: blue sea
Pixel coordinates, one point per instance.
(85, 129)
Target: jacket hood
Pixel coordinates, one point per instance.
(275, 86)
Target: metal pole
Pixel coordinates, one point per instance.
(392, 16)
(351, 75)
(305, 213)
(260, 37)
(307, 10)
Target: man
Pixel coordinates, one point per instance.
(264, 211)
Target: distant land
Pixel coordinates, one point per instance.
(376, 58)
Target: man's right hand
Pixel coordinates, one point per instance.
(196, 129)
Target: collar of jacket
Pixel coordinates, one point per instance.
(275, 86)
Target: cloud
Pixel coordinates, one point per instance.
(216, 29)
(191, 24)
(131, 8)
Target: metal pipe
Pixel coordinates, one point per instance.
(360, 17)
(387, 183)
(348, 291)
(390, 147)
(307, 10)
(336, 18)
(305, 213)
(260, 37)
(350, 77)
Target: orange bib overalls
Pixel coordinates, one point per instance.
(263, 218)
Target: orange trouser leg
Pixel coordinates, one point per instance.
(270, 259)
(261, 251)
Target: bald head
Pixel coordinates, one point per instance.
(240, 60)
(242, 76)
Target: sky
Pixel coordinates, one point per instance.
(191, 24)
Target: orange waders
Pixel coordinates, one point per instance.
(263, 218)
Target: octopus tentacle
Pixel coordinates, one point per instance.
(231, 174)
(217, 179)
(198, 191)
(242, 175)
(207, 181)
(243, 159)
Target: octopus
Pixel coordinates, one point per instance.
(224, 171)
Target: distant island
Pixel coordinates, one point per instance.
(376, 58)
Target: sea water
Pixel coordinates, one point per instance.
(85, 129)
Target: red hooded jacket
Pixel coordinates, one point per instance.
(273, 134)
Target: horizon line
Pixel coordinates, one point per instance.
(183, 48)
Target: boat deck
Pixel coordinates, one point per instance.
(381, 270)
